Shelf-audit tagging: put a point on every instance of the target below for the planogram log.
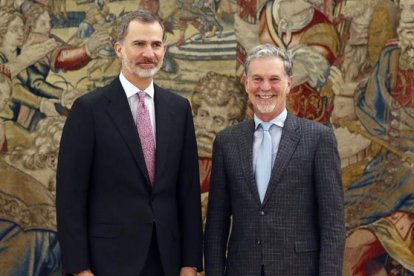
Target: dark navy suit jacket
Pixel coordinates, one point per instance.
(106, 206)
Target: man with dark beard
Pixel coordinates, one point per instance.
(128, 193)
(379, 205)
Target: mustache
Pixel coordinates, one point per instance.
(148, 60)
(405, 36)
(205, 133)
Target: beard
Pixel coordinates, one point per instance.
(266, 108)
(142, 73)
(205, 140)
(406, 35)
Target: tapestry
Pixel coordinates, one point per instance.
(353, 70)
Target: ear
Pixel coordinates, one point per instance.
(289, 83)
(118, 49)
(244, 79)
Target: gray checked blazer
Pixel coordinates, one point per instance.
(299, 228)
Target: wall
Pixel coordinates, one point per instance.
(353, 70)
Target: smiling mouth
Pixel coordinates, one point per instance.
(265, 97)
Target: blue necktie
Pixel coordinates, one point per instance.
(264, 161)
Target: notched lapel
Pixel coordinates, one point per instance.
(287, 146)
(120, 113)
(245, 144)
(164, 124)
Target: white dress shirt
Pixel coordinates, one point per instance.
(275, 132)
(132, 96)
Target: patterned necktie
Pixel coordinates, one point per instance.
(264, 161)
(146, 136)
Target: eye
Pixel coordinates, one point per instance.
(218, 121)
(202, 114)
(157, 45)
(139, 43)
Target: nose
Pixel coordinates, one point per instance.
(148, 52)
(265, 85)
(209, 124)
(20, 32)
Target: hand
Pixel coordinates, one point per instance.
(337, 80)
(84, 273)
(96, 42)
(408, 159)
(188, 271)
(32, 52)
(344, 109)
(47, 106)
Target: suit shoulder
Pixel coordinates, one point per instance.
(311, 129)
(170, 96)
(307, 124)
(93, 96)
(92, 101)
(174, 103)
(236, 130)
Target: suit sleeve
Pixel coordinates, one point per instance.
(330, 204)
(189, 199)
(73, 178)
(218, 216)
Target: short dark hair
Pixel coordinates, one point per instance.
(268, 50)
(139, 15)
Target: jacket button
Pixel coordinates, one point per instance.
(258, 242)
(262, 213)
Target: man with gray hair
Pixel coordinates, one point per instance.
(278, 177)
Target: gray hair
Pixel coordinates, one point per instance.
(139, 15)
(268, 50)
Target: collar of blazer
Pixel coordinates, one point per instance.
(119, 110)
(288, 143)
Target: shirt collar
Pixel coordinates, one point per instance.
(131, 90)
(279, 120)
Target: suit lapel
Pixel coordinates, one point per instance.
(287, 146)
(120, 113)
(164, 125)
(245, 144)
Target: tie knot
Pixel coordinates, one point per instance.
(266, 125)
(141, 96)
